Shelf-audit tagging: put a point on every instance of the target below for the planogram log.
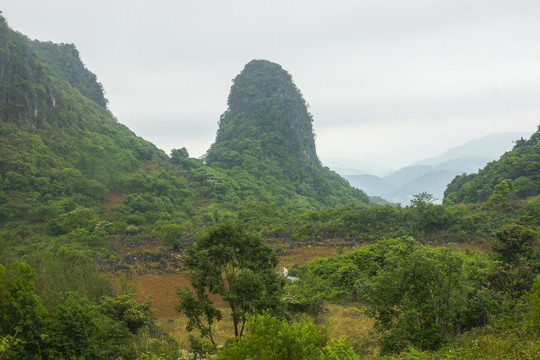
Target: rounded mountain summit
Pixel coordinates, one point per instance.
(267, 134)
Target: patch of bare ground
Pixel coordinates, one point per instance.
(111, 200)
(302, 254)
(345, 319)
(152, 166)
(123, 249)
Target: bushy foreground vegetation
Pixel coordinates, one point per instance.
(423, 297)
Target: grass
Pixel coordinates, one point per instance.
(345, 320)
(348, 321)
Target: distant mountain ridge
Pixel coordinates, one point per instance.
(482, 149)
(516, 173)
(349, 166)
(434, 174)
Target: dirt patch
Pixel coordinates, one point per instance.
(111, 200)
(162, 290)
(122, 248)
(161, 286)
(152, 167)
(303, 254)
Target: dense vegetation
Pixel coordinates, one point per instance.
(265, 138)
(73, 180)
(516, 173)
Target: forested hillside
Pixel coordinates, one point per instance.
(89, 211)
(265, 142)
(516, 173)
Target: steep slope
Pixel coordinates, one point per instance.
(265, 140)
(70, 173)
(61, 150)
(521, 165)
(53, 117)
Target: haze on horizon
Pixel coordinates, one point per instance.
(388, 82)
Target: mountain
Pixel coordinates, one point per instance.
(516, 172)
(265, 140)
(347, 166)
(371, 184)
(72, 175)
(434, 174)
(57, 136)
(479, 150)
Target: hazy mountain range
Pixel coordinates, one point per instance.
(431, 175)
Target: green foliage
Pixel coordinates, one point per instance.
(517, 170)
(532, 316)
(501, 192)
(125, 309)
(268, 337)
(514, 244)
(425, 222)
(73, 271)
(236, 265)
(509, 280)
(417, 298)
(22, 315)
(171, 234)
(71, 177)
(179, 155)
(75, 329)
(265, 142)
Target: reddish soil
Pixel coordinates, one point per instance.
(111, 200)
(162, 288)
(123, 249)
(152, 167)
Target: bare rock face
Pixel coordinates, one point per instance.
(30, 76)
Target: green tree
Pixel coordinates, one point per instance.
(171, 234)
(526, 187)
(501, 192)
(22, 316)
(75, 328)
(126, 309)
(270, 338)
(417, 298)
(514, 243)
(532, 317)
(177, 155)
(236, 265)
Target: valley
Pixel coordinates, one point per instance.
(110, 248)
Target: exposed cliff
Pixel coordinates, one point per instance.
(34, 75)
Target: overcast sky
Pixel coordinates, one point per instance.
(388, 82)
